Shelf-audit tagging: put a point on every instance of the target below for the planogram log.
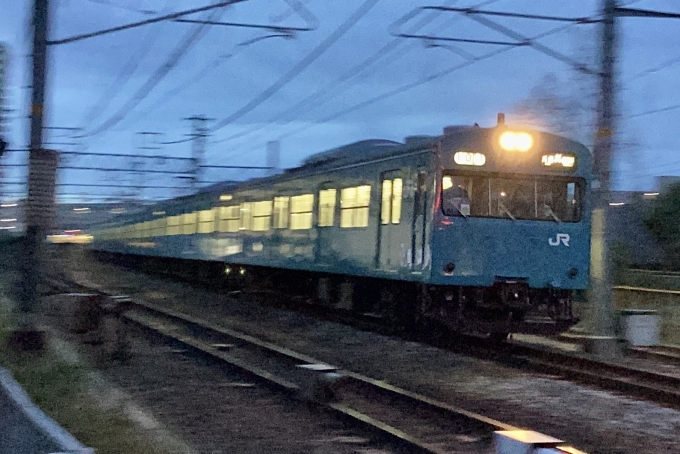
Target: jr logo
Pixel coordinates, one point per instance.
(561, 238)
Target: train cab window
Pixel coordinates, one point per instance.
(246, 218)
(301, 210)
(327, 207)
(543, 199)
(456, 195)
(280, 215)
(230, 217)
(262, 215)
(390, 209)
(354, 204)
(206, 221)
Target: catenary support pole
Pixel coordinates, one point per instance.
(603, 342)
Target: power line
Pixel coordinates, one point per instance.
(144, 22)
(189, 40)
(126, 8)
(123, 77)
(655, 111)
(332, 89)
(411, 85)
(303, 64)
(199, 75)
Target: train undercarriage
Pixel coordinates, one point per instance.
(492, 312)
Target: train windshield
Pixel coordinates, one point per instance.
(529, 198)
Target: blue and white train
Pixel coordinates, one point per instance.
(485, 230)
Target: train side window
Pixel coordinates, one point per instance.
(230, 218)
(189, 223)
(301, 210)
(262, 215)
(206, 221)
(386, 202)
(280, 215)
(327, 207)
(390, 209)
(246, 217)
(354, 204)
(397, 191)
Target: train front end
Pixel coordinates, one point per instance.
(511, 231)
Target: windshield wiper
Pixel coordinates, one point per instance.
(500, 204)
(549, 212)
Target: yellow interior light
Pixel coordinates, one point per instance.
(465, 158)
(558, 159)
(226, 197)
(516, 141)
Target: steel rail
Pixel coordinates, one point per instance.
(182, 328)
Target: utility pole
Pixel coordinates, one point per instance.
(199, 134)
(42, 167)
(603, 342)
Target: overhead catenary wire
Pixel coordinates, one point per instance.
(143, 23)
(300, 66)
(190, 39)
(409, 86)
(124, 76)
(339, 85)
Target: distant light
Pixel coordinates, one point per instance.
(557, 159)
(465, 158)
(8, 220)
(10, 227)
(650, 194)
(616, 204)
(516, 141)
(226, 197)
(503, 194)
(158, 213)
(118, 210)
(8, 205)
(81, 209)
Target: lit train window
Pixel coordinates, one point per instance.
(262, 215)
(327, 207)
(280, 214)
(206, 221)
(158, 227)
(230, 218)
(390, 210)
(354, 204)
(174, 225)
(301, 209)
(246, 216)
(189, 223)
(397, 191)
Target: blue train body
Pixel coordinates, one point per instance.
(484, 229)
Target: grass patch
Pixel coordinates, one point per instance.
(60, 389)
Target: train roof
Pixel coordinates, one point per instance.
(364, 150)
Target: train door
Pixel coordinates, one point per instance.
(394, 233)
(419, 254)
(326, 207)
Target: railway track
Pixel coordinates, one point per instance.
(405, 420)
(622, 378)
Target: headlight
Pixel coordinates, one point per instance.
(516, 141)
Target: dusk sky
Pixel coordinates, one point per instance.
(247, 85)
